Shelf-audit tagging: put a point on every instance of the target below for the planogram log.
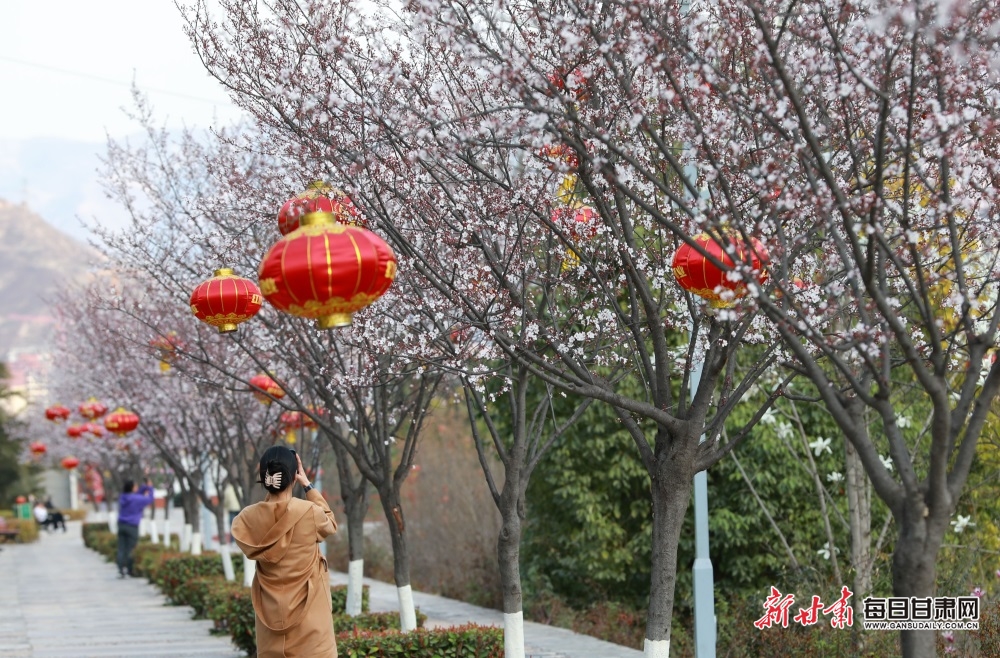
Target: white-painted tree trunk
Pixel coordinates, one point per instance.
(407, 613)
(656, 649)
(186, 538)
(113, 521)
(144, 527)
(154, 533)
(196, 543)
(166, 531)
(249, 569)
(227, 563)
(513, 634)
(355, 586)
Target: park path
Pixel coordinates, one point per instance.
(62, 600)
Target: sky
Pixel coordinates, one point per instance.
(66, 67)
(66, 72)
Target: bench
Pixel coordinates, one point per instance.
(6, 531)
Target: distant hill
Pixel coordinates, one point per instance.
(58, 178)
(36, 260)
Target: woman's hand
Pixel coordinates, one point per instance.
(300, 473)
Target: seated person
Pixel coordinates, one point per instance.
(56, 518)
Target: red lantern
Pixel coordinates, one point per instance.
(291, 421)
(92, 409)
(265, 387)
(318, 197)
(121, 422)
(225, 300)
(581, 222)
(326, 271)
(94, 428)
(69, 463)
(697, 274)
(57, 413)
(76, 431)
(37, 448)
(20, 500)
(167, 347)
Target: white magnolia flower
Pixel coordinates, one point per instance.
(886, 462)
(825, 551)
(903, 422)
(962, 522)
(821, 444)
(834, 477)
(769, 417)
(785, 430)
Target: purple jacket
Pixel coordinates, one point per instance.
(130, 505)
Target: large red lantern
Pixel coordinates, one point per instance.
(69, 463)
(697, 274)
(266, 389)
(318, 197)
(76, 431)
(326, 271)
(121, 422)
(92, 409)
(37, 448)
(57, 413)
(225, 300)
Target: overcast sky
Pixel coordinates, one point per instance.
(66, 67)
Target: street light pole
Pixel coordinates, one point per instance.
(703, 577)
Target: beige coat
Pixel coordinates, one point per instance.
(291, 589)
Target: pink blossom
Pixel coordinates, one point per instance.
(978, 592)
(948, 636)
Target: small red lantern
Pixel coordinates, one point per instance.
(581, 222)
(266, 389)
(95, 429)
(57, 413)
(121, 422)
(37, 448)
(92, 409)
(697, 274)
(225, 300)
(326, 271)
(167, 346)
(291, 421)
(69, 463)
(318, 197)
(76, 431)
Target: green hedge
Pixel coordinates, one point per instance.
(459, 642)
(197, 581)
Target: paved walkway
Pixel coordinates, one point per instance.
(61, 600)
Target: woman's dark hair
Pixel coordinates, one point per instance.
(129, 486)
(277, 468)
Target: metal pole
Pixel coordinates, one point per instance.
(703, 577)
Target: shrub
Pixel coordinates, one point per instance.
(338, 593)
(229, 606)
(27, 527)
(176, 572)
(371, 621)
(459, 642)
(74, 514)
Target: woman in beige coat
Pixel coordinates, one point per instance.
(291, 588)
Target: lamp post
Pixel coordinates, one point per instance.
(702, 573)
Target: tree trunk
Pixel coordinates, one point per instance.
(671, 494)
(509, 559)
(914, 568)
(400, 556)
(355, 508)
(860, 519)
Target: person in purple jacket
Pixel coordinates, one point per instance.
(130, 506)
